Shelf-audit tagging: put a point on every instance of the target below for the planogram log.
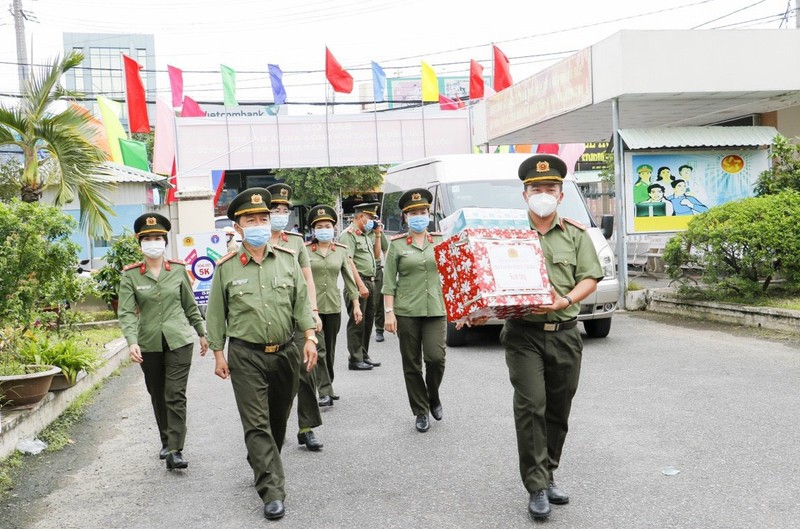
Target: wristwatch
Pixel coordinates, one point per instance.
(390, 309)
(570, 301)
(313, 339)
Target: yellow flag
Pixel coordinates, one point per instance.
(110, 111)
(430, 84)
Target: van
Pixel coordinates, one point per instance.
(490, 181)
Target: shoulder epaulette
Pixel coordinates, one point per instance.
(309, 243)
(132, 266)
(575, 223)
(340, 245)
(436, 233)
(177, 262)
(398, 236)
(281, 248)
(294, 233)
(225, 257)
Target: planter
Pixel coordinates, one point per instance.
(25, 391)
(60, 381)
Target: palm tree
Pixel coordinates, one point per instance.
(71, 161)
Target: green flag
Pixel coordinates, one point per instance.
(134, 154)
(228, 85)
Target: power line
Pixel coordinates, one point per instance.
(729, 14)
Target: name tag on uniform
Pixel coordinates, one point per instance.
(144, 287)
(237, 282)
(406, 252)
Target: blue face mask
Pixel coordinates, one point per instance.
(370, 224)
(279, 221)
(324, 234)
(257, 236)
(418, 223)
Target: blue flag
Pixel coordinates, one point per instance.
(276, 78)
(378, 81)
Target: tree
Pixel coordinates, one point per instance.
(784, 173)
(57, 148)
(322, 185)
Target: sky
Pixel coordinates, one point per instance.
(199, 35)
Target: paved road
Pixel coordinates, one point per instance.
(719, 404)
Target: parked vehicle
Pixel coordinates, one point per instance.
(490, 181)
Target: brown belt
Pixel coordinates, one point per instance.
(262, 347)
(549, 326)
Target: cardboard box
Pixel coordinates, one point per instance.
(497, 273)
(486, 218)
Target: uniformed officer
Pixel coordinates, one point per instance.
(308, 415)
(543, 349)
(328, 261)
(362, 239)
(414, 306)
(258, 297)
(157, 311)
(380, 314)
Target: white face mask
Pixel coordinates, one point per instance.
(154, 249)
(542, 204)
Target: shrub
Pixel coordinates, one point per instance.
(784, 171)
(124, 251)
(71, 354)
(742, 245)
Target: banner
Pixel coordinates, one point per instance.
(200, 252)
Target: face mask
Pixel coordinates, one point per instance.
(369, 225)
(257, 236)
(324, 234)
(542, 204)
(153, 249)
(279, 221)
(418, 223)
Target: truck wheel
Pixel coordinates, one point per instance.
(597, 328)
(455, 338)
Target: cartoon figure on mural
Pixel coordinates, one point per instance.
(663, 176)
(693, 188)
(683, 204)
(656, 204)
(640, 187)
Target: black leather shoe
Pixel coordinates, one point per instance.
(325, 401)
(555, 495)
(539, 505)
(163, 453)
(422, 423)
(436, 411)
(372, 362)
(310, 440)
(335, 397)
(359, 366)
(379, 337)
(176, 460)
(274, 510)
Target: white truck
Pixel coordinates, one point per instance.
(490, 181)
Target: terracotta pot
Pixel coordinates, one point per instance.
(24, 391)
(60, 382)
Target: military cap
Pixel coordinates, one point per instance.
(542, 168)
(320, 213)
(151, 224)
(281, 194)
(253, 200)
(370, 208)
(415, 199)
(644, 168)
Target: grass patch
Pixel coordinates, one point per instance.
(56, 435)
(8, 469)
(634, 286)
(775, 298)
(101, 336)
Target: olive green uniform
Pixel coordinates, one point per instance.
(326, 269)
(360, 248)
(255, 305)
(158, 314)
(380, 314)
(544, 366)
(413, 279)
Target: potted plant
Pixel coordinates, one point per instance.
(124, 251)
(69, 353)
(22, 385)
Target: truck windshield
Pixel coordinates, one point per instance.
(507, 194)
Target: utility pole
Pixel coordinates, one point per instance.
(797, 13)
(22, 52)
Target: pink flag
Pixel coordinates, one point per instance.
(191, 109)
(547, 148)
(164, 142)
(445, 103)
(571, 153)
(176, 83)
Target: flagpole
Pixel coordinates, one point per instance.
(424, 141)
(227, 133)
(278, 132)
(493, 66)
(377, 146)
(327, 131)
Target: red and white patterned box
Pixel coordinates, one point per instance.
(496, 273)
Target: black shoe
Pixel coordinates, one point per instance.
(163, 453)
(372, 362)
(436, 411)
(379, 337)
(359, 366)
(325, 401)
(422, 423)
(555, 495)
(310, 440)
(335, 397)
(176, 460)
(539, 505)
(274, 510)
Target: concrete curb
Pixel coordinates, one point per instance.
(23, 424)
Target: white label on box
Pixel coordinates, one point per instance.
(515, 267)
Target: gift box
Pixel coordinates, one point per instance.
(496, 273)
(486, 218)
